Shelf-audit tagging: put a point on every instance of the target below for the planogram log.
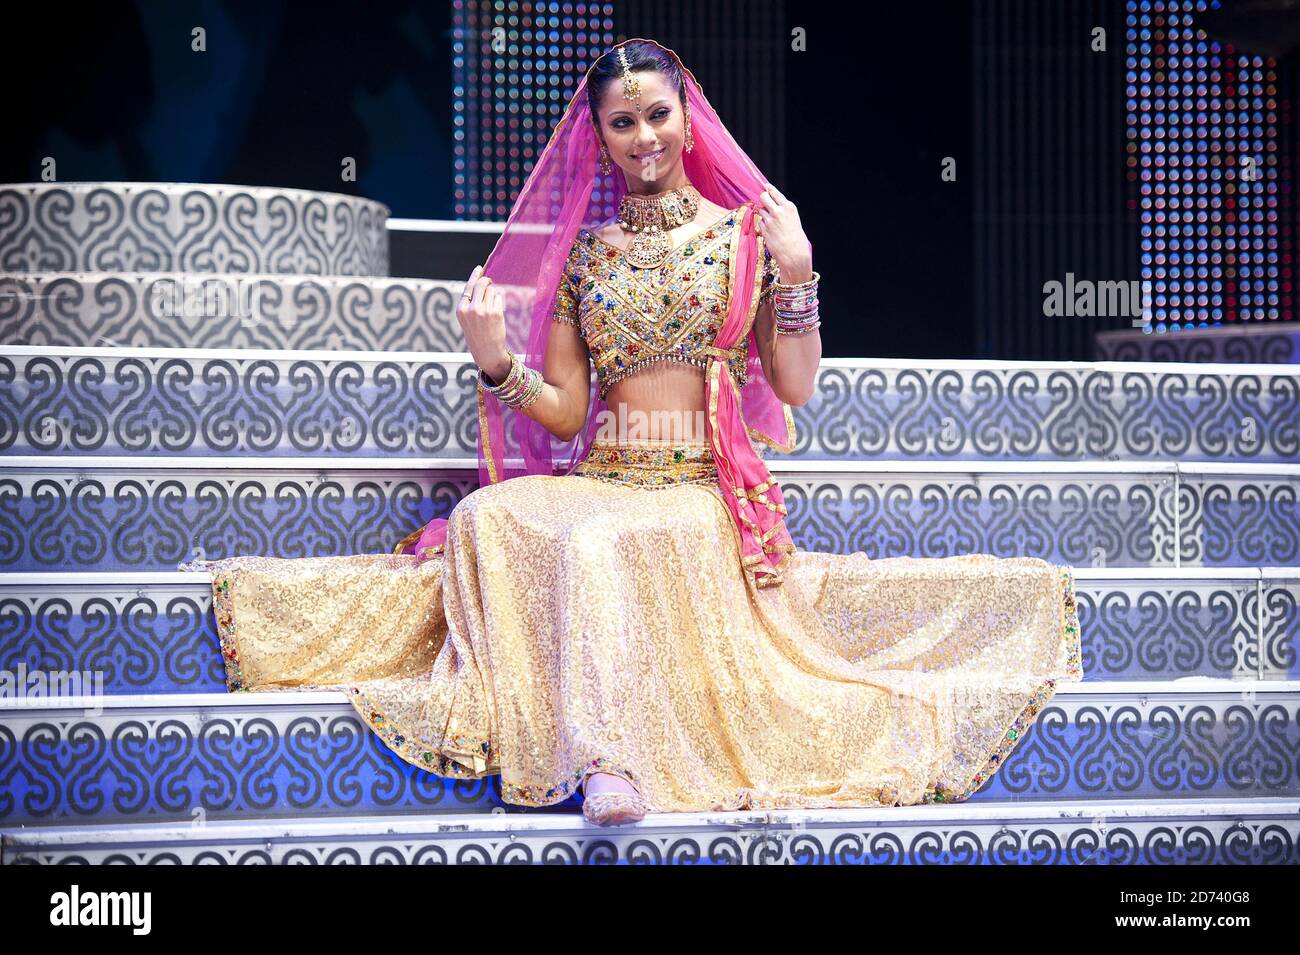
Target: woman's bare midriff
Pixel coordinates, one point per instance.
(662, 402)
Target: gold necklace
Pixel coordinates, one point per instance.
(651, 218)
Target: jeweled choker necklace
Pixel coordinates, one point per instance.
(651, 218)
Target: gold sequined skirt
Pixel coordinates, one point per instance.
(601, 621)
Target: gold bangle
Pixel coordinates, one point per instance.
(799, 286)
(511, 377)
(799, 331)
(522, 385)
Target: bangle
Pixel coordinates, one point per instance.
(520, 388)
(802, 330)
(796, 314)
(798, 328)
(796, 307)
(810, 285)
(795, 300)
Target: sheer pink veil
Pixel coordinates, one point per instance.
(565, 193)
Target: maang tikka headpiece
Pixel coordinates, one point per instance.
(631, 82)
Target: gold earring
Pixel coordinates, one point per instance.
(604, 160)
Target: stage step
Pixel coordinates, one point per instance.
(188, 227)
(1262, 831)
(348, 403)
(148, 311)
(187, 757)
(1247, 341)
(141, 513)
(154, 632)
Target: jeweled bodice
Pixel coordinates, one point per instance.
(632, 317)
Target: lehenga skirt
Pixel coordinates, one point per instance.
(601, 621)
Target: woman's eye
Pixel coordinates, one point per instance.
(658, 114)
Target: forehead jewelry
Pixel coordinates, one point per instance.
(631, 82)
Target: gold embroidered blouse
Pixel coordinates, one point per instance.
(631, 317)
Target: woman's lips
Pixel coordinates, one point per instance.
(654, 155)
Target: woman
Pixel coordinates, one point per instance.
(619, 606)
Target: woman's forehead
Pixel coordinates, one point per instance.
(654, 87)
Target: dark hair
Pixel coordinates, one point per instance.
(642, 55)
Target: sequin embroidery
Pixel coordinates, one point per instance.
(633, 317)
(650, 465)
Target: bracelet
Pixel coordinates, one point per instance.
(796, 307)
(803, 311)
(521, 386)
(811, 284)
(799, 328)
(797, 300)
(803, 330)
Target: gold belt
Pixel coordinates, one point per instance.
(648, 464)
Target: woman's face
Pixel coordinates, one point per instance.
(645, 145)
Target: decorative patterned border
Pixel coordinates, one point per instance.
(1230, 833)
(191, 227)
(272, 755)
(649, 466)
(223, 607)
(91, 400)
(447, 758)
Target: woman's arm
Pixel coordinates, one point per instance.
(789, 361)
(561, 407)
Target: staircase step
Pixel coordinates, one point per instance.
(180, 757)
(60, 313)
(154, 632)
(153, 513)
(1077, 832)
(1249, 341)
(189, 227)
(160, 401)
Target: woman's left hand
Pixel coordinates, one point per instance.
(778, 223)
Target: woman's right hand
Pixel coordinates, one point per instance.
(482, 317)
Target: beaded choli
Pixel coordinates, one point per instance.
(632, 317)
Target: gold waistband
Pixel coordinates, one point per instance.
(650, 464)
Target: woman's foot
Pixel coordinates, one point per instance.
(609, 799)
